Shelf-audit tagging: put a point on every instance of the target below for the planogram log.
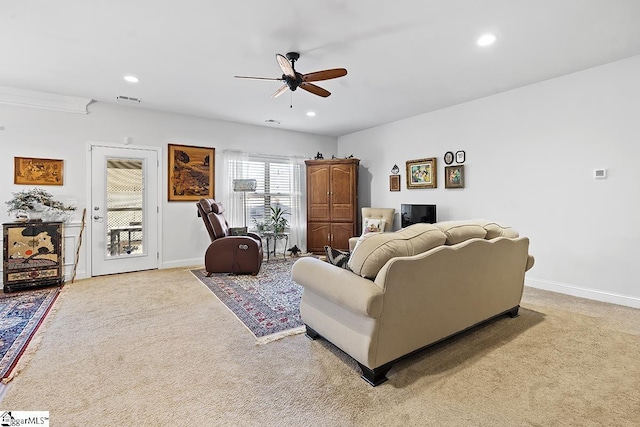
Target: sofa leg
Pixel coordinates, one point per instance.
(514, 311)
(311, 334)
(375, 376)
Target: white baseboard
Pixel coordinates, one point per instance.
(577, 291)
(193, 262)
(79, 275)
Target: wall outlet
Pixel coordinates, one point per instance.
(600, 173)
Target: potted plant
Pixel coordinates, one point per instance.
(35, 203)
(261, 226)
(277, 221)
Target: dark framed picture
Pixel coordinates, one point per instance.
(191, 173)
(448, 157)
(459, 156)
(394, 182)
(32, 171)
(454, 176)
(422, 173)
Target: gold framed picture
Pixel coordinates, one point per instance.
(422, 173)
(394, 182)
(454, 176)
(191, 173)
(33, 171)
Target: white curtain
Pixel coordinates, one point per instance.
(234, 168)
(298, 223)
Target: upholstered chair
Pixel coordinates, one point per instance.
(368, 214)
(226, 253)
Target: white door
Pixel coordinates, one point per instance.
(124, 210)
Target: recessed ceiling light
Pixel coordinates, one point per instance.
(486, 40)
(131, 79)
(311, 113)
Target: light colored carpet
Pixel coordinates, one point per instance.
(157, 348)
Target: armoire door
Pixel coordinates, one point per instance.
(318, 193)
(342, 192)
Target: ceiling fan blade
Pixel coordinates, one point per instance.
(258, 78)
(280, 91)
(324, 75)
(316, 90)
(284, 64)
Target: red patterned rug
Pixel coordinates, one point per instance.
(21, 313)
(268, 304)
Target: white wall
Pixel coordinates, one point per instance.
(530, 159)
(30, 132)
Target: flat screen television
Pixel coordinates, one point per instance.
(412, 214)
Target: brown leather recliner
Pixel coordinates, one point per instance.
(226, 253)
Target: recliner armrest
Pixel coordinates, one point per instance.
(254, 236)
(231, 242)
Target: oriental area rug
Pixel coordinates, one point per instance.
(268, 304)
(21, 313)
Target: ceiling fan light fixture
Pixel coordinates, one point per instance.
(131, 78)
(486, 40)
(293, 80)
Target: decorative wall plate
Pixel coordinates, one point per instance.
(448, 157)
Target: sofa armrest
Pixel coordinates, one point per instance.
(530, 261)
(338, 285)
(352, 243)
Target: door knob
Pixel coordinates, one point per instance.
(97, 217)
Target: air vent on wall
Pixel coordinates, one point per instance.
(128, 99)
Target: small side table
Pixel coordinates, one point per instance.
(268, 236)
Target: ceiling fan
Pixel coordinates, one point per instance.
(293, 79)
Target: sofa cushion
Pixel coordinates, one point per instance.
(496, 230)
(373, 251)
(459, 231)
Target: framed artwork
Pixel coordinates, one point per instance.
(460, 156)
(32, 171)
(191, 173)
(454, 176)
(394, 182)
(422, 173)
(448, 157)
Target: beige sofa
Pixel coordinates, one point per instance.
(412, 288)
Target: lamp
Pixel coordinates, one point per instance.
(244, 185)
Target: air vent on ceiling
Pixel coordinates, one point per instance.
(128, 99)
(274, 121)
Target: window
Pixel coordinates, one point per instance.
(278, 184)
(274, 188)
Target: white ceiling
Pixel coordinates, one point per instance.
(404, 57)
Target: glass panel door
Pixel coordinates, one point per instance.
(125, 212)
